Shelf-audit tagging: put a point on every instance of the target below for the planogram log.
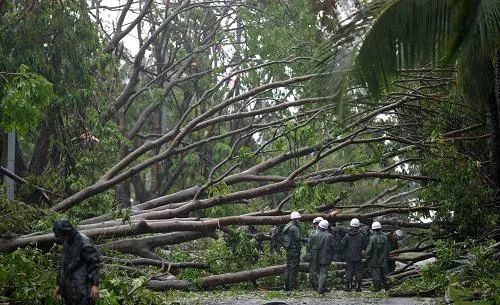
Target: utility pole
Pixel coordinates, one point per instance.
(11, 151)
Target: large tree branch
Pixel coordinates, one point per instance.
(45, 241)
(178, 135)
(144, 247)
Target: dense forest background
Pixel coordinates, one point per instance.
(179, 135)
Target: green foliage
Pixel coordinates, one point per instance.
(435, 274)
(219, 189)
(20, 218)
(116, 289)
(27, 276)
(236, 252)
(244, 154)
(482, 271)
(469, 266)
(243, 246)
(308, 198)
(22, 99)
(287, 29)
(460, 190)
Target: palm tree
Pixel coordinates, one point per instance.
(411, 33)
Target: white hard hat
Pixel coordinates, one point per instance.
(399, 233)
(376, 225)
(354, 222)
(295, 215)
(324, 224)
(317, 219)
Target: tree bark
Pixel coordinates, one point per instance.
(174, 267)
(39, 159)
(45, 241)
(144, 247)
(243, 276)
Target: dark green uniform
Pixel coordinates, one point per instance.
(291, 238)
(338, 234)
(313, 275)
(377, 253)
(353, 244)
(321, 246)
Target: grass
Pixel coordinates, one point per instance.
(459, 293)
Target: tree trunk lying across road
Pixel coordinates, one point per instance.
(46, 241)
(241, 276)
(222, 279)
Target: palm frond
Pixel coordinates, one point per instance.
(412, 33)
(476, 62)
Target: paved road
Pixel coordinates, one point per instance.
(327, 299)
(322, 301)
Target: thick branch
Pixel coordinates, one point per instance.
(45, 241)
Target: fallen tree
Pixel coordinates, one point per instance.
(173, 267)
(45, 241)
(246, 276)
(212, 137)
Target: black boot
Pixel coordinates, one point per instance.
(348, 287)
(358, 287)
(325, 289)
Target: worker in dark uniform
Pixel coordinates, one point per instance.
(354, 243)
(313, 275)
(338, 234)
(291, 238)
(315, 224)
(377, 253)
(78, 272)
(393, 238)
(321, 245)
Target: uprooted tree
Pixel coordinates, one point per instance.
(197, 118)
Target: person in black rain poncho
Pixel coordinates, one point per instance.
(78, 270)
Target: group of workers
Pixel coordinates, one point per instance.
(78, 272)
(326, 244)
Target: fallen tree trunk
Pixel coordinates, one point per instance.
(417, 258)
(151, 204)
(223, 279)
(174, 267)
(144, 247)
(406, 274)
(241, 276)
(170, 284)
(46, 241)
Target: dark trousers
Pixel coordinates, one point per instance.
(323, 277)
(354, 269)
(378, 275)
(391, 266)
(292, 269)
(313, 274)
